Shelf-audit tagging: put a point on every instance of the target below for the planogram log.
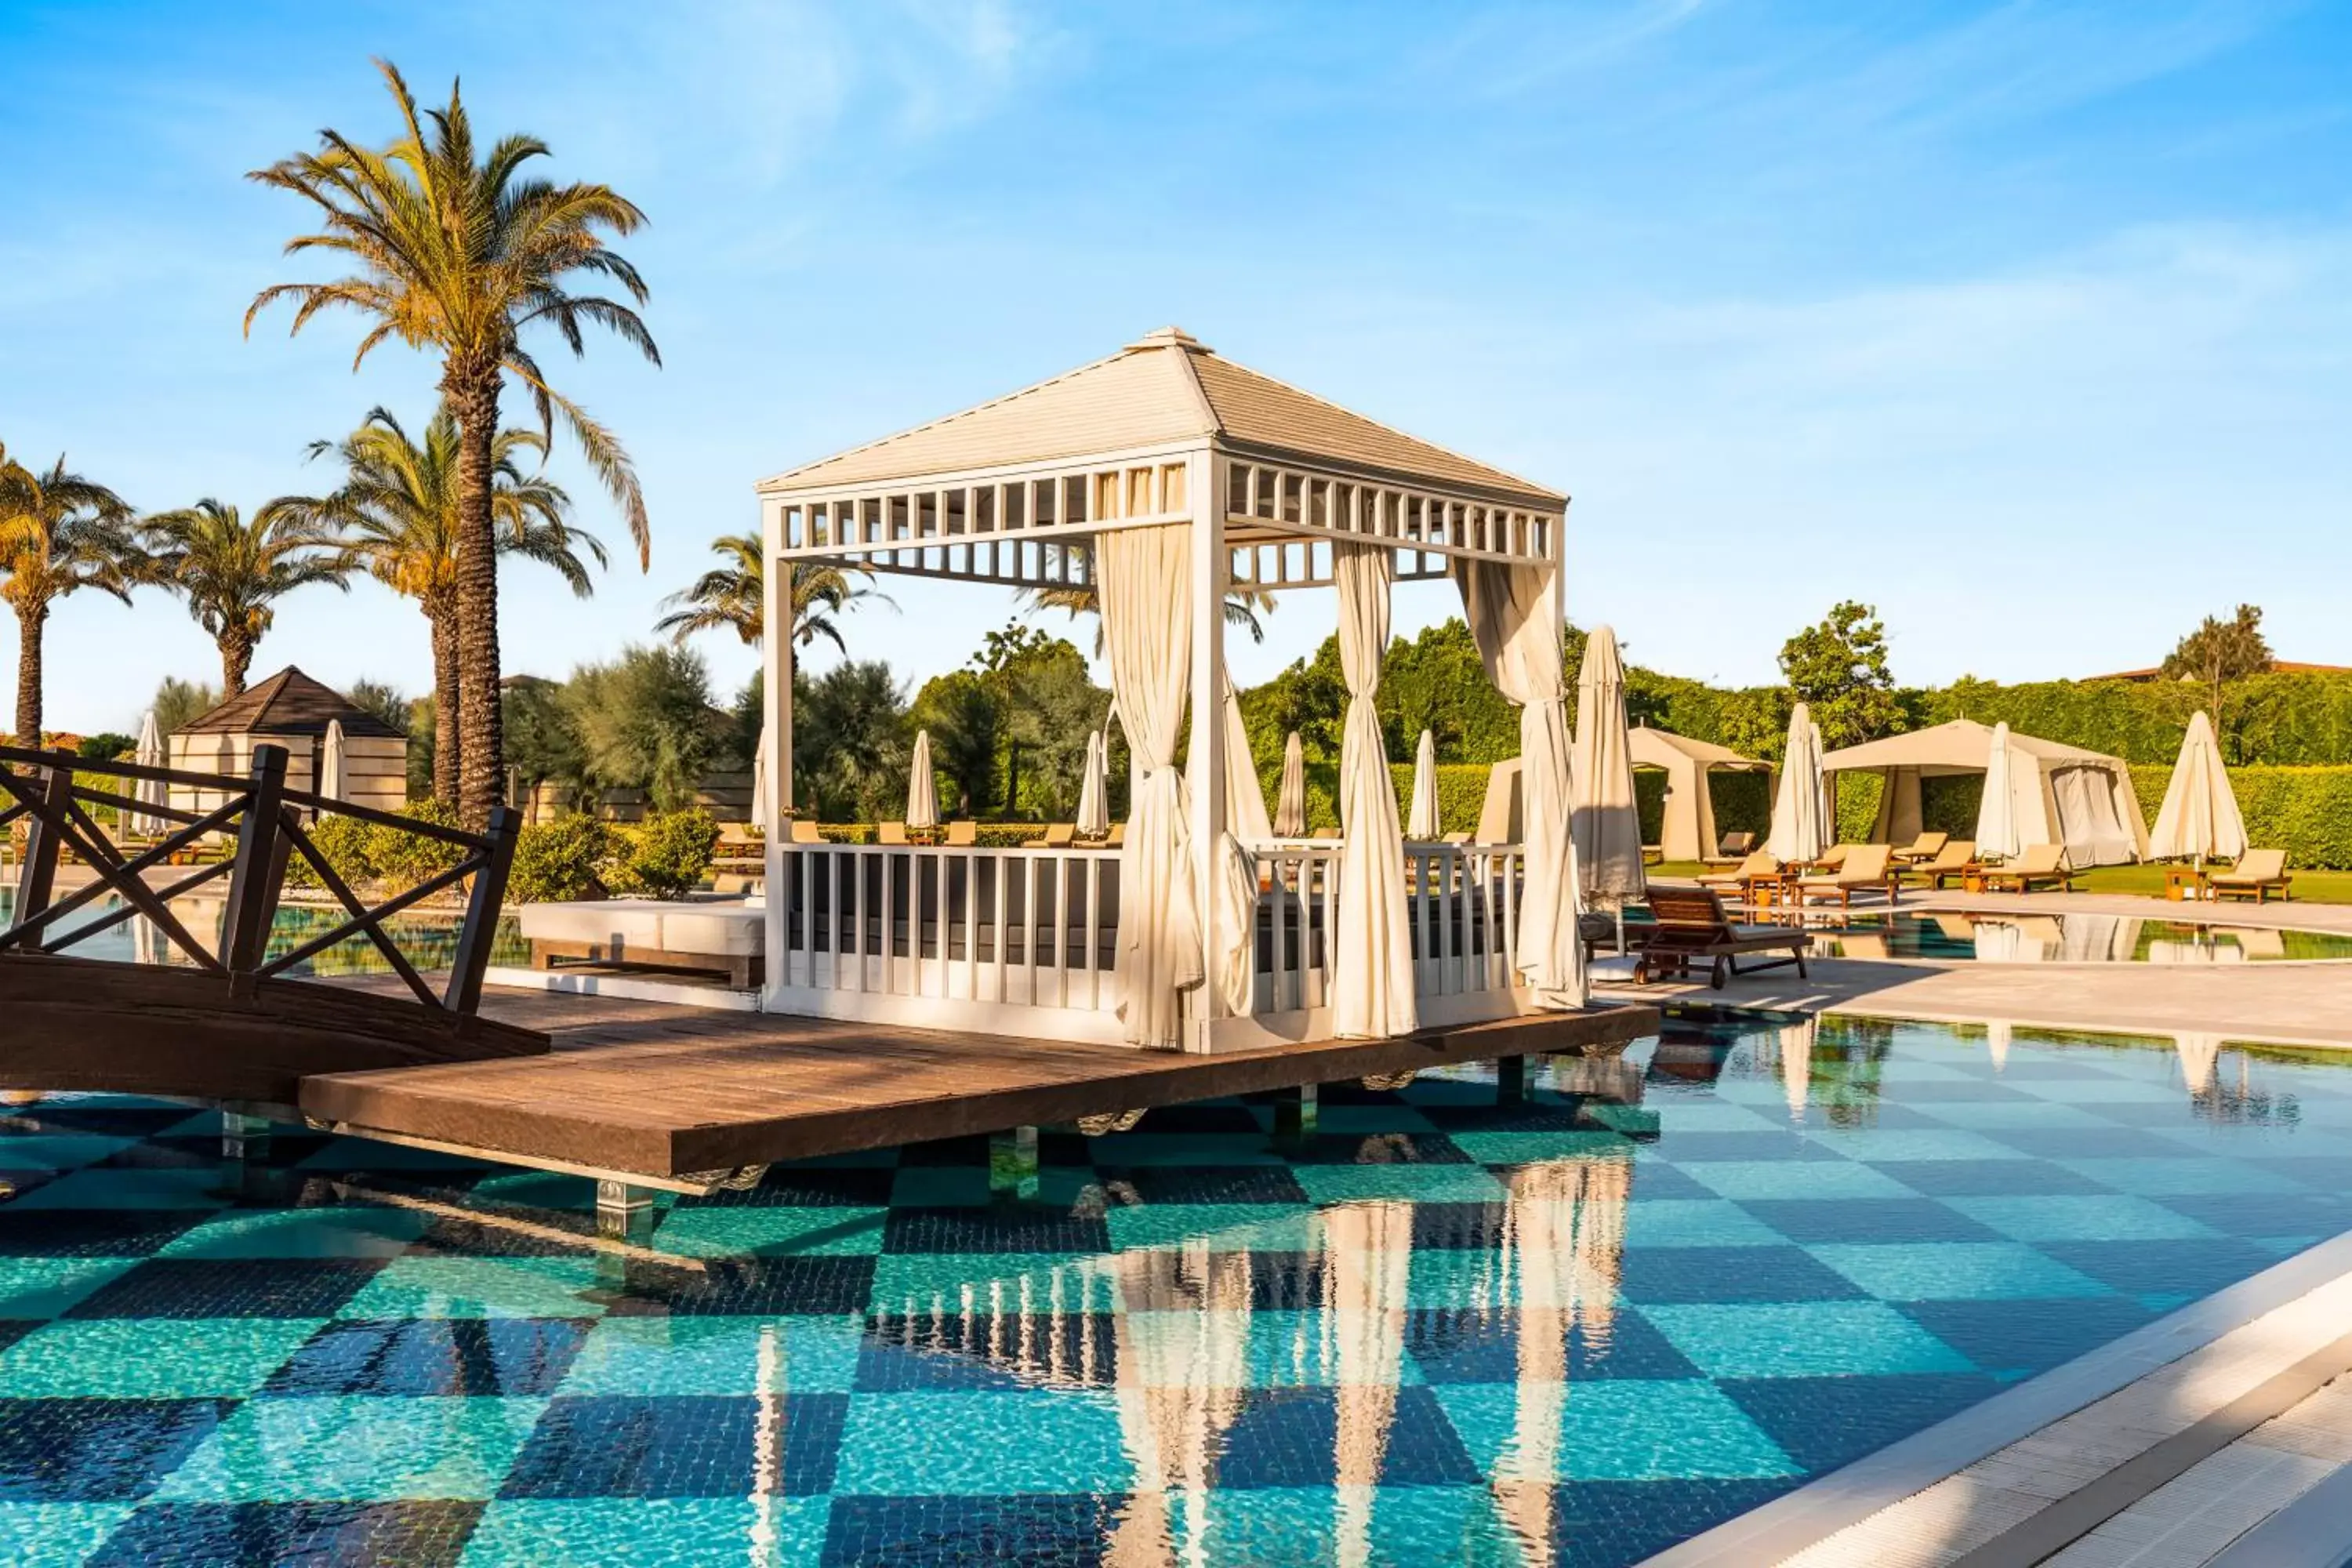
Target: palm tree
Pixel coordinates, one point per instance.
(398, 517)
(1245, 607)
(59, 532)
(457, 253)
(735, 597)
(232, 571)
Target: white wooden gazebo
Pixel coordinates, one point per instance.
(1160, 475)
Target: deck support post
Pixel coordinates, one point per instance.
(244, 1137)
(1295, 1113)
(1510, 1080)
(625, 1213)
(1013, 1163)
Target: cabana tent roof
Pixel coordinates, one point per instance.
(1960, 746)
(2082, 799)
(1687, 827)
(1164, 389)
(1658, 748)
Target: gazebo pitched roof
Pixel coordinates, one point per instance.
(1163, 389)
(289, 703)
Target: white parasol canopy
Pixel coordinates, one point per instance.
(330, 761)
(2199, 818)
(1603, 820)
(1290, 799)
(1996, 824)
(1094, 789)
(149, 792)
(1800, 831)
(1422, 822)
(763, 810)
(922, 788)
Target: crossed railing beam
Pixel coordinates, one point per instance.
(41, 788)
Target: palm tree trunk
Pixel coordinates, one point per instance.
(481, 764)
(237, 658)
(446, 747)
(30, 620)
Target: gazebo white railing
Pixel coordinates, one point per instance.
(1270, 489)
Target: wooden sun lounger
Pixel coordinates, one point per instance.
(1741, 880)
(2042, 864)
(1926, 847)
(1952, 862)
(1861, 869)
(1692, 927)
(2257, 874)
(1734, 848)
(962, 835)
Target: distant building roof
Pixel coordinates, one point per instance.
(289, 703)
(1164, 388)
(2278, 667)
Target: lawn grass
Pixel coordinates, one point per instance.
(2147, 881)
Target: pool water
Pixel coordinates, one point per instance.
(1662, 1292)
(2074, 938)
(427, 941)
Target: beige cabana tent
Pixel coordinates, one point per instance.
(1689, 832)
(2064, 795)
(1158, 478)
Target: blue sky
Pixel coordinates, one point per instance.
(2030, 323)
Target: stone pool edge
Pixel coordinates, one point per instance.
(1846, 1497)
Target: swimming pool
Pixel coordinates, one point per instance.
(1663, 1292)
(2069, 938)
(427, 941)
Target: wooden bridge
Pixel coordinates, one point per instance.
(227, 1022)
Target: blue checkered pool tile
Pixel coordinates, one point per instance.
(1657, 1292)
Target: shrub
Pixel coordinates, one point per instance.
(348, 845)
(402, 859)
(555, 862)
(667, 854)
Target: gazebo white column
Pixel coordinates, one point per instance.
(1205, 771)
(776, 714)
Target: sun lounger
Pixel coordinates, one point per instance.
(1061, 835)
(1950, 862)
(1117, 835)
(2041, 865)
(2257, 874)
(1692, 927)
(1862, 869)
(963, 835)
(1735, 847)
(1742, 881)
(1926, 847)
(804, 832)
(889, 832)
(1456, 838)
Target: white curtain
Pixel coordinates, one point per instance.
(1245, 825)
(1509, 608)
(1146, 590)
(1093, 788)
(1290, 806)
(1422, 820)
(1371, 969)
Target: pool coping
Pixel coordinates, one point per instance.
(1846, 1497)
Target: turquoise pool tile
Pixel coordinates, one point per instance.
(1634, 1429)
(1398, 1184)
(362, 1450)
(46, 1287)
(1264, 1227)
(1261, 1526)
(1809, 1339)
(126, 1358)
(2089, 1217)
(640, 1357)
(1893, 1145)
(1696, 1222)
(2182, 1178)
(348, 1232)
(57, 1151)
(57, 1535)
(1369, 1120)
(1796, 1179)
(363, 1155)
(966, 1186)
(197, 1188)
(1288, 1348)
(546, 1190)
(977, 1445)
(928, 1281)
(773, 1232)
(1678, 1115)
(1957, 1272)
(1442, 1278)
(480, 1288)
(1143, 1148)
(2007, 1115)
(648, 1533)
(1534, 1148)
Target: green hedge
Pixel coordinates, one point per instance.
(2307, 812)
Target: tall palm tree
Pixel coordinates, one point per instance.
(456, 251)
(1246, 608)
(233, 572)
(59, 532)
(734, 597)
(398, 517)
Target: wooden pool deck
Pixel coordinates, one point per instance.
(651, 1088)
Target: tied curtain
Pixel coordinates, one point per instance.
(1146, 594)
(1509, 610)
(1237, 892)
(1371, 968)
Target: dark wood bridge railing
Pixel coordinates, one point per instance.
(266, 817)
